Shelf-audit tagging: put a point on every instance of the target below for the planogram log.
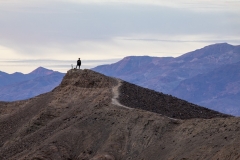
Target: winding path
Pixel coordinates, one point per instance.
(116, 93)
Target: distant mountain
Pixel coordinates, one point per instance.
(20, 86)
(218, 89)
(8, 79)
(40, 71)
(165, 74)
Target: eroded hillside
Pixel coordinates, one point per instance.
(83, 119)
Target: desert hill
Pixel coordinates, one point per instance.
(92, 116)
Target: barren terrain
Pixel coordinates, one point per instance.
(92, 116)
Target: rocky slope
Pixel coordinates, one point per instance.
(142, 98)
(80, 119)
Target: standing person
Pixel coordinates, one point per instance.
(78, 63)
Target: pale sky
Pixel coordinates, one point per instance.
(55, 33)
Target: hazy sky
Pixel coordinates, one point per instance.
(54, 33)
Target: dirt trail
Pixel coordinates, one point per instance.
(116, 93)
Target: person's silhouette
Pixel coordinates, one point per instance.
(78, 63)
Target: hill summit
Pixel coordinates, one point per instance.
(92, 116)
(137, 97)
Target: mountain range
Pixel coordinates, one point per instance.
(95, 117)
(19, 86)
(208, 76)
(218, 89)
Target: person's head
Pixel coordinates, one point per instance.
(79, 58)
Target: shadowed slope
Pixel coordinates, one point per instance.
(78, 120)
(167, 105)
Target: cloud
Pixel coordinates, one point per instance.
(113, 29)
(60, 65)
(233, 41)
(62, 23)
(196, 5)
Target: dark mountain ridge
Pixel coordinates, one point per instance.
(167, 105)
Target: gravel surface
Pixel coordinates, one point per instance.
(141, 98)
